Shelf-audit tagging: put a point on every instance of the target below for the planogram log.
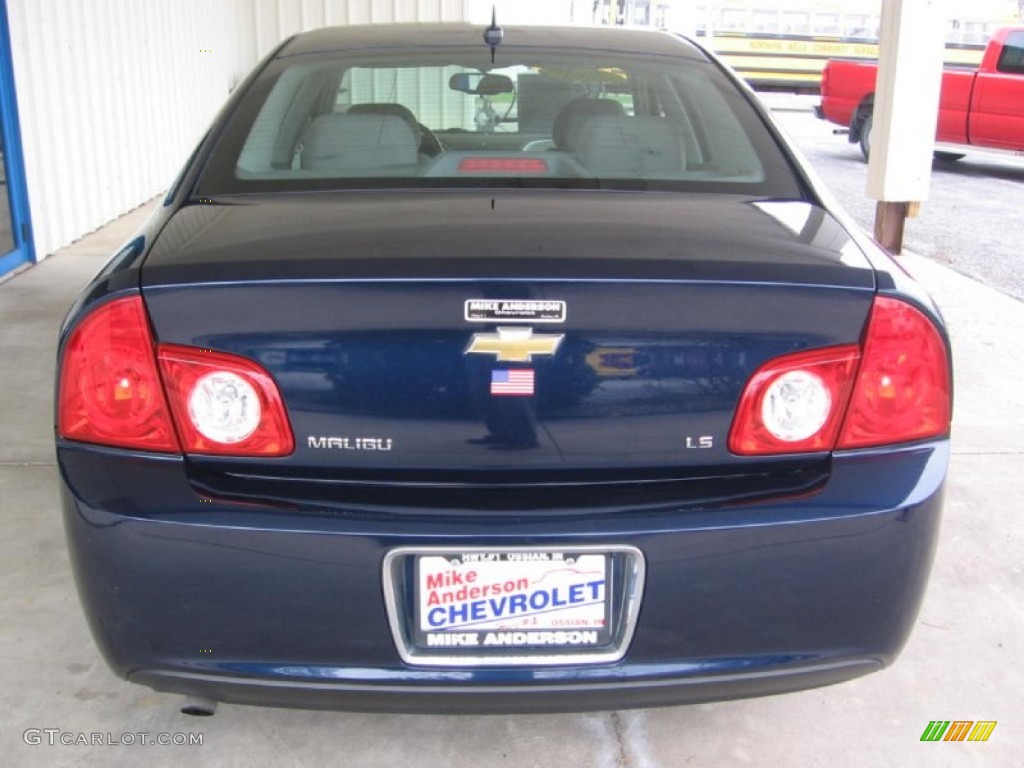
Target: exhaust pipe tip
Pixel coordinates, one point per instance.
(198, 707)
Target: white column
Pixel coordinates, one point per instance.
(911, 50)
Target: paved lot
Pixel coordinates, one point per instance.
(962, 661)
(966, 221)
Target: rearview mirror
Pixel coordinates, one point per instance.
(479, 84)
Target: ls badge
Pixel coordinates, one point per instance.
(514, 345)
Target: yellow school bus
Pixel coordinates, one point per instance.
(794, 62)
(784, 44)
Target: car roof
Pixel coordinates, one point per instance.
(618, 39)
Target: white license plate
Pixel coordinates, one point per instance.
(512, 599)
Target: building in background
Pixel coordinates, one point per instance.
(101, 101)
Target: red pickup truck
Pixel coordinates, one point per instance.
(978, 108)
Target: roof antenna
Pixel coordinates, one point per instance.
(494, 34)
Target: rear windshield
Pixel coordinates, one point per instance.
(575, 119)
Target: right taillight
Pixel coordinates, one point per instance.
(892, 388)
(794, 403)
(903, 391)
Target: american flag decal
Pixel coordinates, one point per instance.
(515, 381)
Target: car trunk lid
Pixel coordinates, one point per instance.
(387, 319)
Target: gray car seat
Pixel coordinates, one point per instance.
(630, 147)
(352, 143)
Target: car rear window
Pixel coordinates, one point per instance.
(429, 118)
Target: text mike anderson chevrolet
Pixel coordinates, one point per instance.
(549, 600)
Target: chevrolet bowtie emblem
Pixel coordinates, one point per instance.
(514, 345)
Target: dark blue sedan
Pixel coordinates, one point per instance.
(532, 373)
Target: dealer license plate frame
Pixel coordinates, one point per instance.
(623, 577)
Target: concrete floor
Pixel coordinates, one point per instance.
(962, 662)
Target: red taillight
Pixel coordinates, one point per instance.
(224, 404)
(903, 389)
(116, 389)
(794, 403)
(110, 391)
(894, 388)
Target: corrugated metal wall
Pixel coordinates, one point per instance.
(111, 95)
(114, 93)
(273, 20)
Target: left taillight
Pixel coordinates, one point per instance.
(224, 404)
(110, 392)
(118, 388)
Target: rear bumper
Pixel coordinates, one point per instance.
(454, 698)
(259, 606)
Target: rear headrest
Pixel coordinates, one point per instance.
(388, 108)
(570, 119)
(631, 147)
(347, 142)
